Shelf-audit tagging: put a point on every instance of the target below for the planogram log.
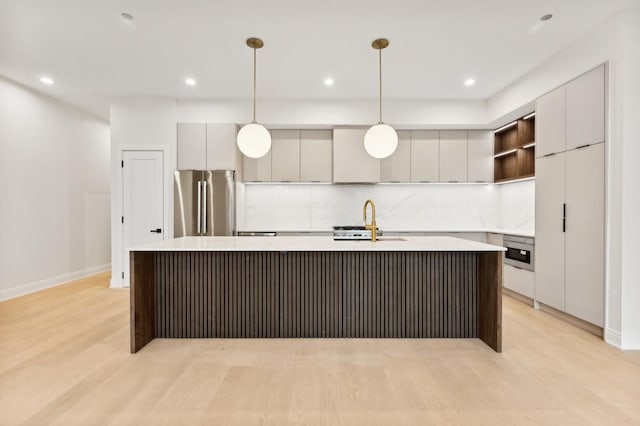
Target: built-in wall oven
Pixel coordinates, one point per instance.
(519, 252)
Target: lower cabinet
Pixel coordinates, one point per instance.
(480, 237)
(519, 280)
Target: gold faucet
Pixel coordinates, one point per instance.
(372, 226)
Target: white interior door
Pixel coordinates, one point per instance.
(143, 203)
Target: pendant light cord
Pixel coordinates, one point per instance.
(254, 85)
(380, 81)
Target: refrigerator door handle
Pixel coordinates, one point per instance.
(204, 213)
(199, 203)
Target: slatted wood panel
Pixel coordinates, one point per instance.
(315, 294)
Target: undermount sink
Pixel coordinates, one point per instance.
(388, 239)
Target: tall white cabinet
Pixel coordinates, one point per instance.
(570, 197)
(584, 243)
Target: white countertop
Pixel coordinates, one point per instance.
(516, 232)
(311, 243)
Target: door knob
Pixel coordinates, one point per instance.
(157, 230)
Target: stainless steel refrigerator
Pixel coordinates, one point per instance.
(204, 203)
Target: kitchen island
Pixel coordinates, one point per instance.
(315, 287)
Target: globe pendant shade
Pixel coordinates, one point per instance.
(381, 141)
(254, 140)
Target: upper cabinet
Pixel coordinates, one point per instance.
(285, 155)
(295, 156)
(221, 147)
(425, 156)
(316, 155)
(192, 146)
(550, 122)
(351, 162)
(515, 146)
(396, 167)
(206, 146)
(480, 156)
(339, 156)
(572, 115)
(453, 156)
(585, 112)
(257, 169)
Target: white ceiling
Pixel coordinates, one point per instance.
(93, 54)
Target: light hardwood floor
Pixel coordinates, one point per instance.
(64, 360)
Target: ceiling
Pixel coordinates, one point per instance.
(92, 53)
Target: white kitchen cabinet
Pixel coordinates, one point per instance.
(285, 155)
(480, 237)
(570, 197)
(480, 156)
(519, 280)
(221, 147)
(257, 169)
(192, 146)
(550, 238)
(316, 155)
(397, 167)
(495, 239)
(585, 101)
(550, 122)
(425, 156)
(585, 233)
(453, 156)
(569, 256)
(204, 146)
(351, 162)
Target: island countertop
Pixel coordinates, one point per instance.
(318, 244)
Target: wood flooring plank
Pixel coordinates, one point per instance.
(72, 365)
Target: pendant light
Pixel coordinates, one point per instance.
(254, 140)
(381, 140)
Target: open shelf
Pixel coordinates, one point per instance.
(514, 151)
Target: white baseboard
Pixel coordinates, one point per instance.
(626, 341)
(631, 341)
(115, 282)
(613, 337)
(21, 290)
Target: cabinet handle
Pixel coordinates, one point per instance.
(564, 217)
(199, 204)
(204, 207)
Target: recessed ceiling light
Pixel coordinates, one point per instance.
(328, 81)
(46, 80)
(190, 82)
(469, 82)
(546, 17)
(126, 16)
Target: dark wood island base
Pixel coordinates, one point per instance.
(316, 294)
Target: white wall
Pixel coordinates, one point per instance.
(139, 123)
(616, 42)
(437, 114)
(54, 169)
(630, 132)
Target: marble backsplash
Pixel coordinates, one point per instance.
(410, 207)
